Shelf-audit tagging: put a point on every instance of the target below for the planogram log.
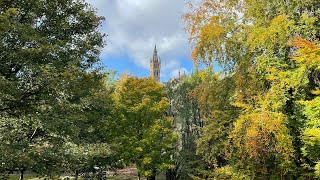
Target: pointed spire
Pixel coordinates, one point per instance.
(155, 65)
(155, 54)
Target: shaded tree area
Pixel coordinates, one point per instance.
(203, 116)
(187, 123)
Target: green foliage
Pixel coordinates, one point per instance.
(262, 144)
(257, 119)
(311, 134)
(309, 60)
(214, 98)
(228, 172)
(276, 75)
(87, 158)
(52, 90)
(187, 122)
(143, 131)
(317, 169)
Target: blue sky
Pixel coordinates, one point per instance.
(135, 26)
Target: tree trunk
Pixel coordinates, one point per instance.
(171, 174)
(153, 177)
(76, 175)
(21, 174)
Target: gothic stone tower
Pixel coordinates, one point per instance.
(155, 65)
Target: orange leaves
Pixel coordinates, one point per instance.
(308, 52)
(194, 56)
(303, 43)
(260, 134)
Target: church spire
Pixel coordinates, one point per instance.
(155, 53)
(155, 65)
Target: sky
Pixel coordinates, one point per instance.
(135, 26)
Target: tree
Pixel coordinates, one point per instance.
(308, 59)
(187, 123)
(42, 48)
(51, 87)
(251, 41)
(215, 100)
(145, 133)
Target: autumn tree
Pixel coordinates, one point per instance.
(215, 97)
(308, 60)
(144, 132)
(250, 40)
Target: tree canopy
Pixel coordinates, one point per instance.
(63, 112)
(269, 50)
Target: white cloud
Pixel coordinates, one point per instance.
(134, 26)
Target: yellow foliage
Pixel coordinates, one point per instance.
(146, 160)
(312, 135)
(308, 52)
(275, 33)
(211, 31)
(139, 149)
(262, 133)
(316, 92)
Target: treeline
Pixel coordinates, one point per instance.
(257, 118)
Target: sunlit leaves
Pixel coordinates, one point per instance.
(275, 34)
(143, 131)
(274, 78)
(212, 26)
(308, 52)
(308, 57)
(261, 134)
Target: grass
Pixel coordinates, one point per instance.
(17, 176)
(30, 176)
(119, 177)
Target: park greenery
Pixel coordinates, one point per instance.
(62, 112)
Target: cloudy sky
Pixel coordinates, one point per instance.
(135, 26)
